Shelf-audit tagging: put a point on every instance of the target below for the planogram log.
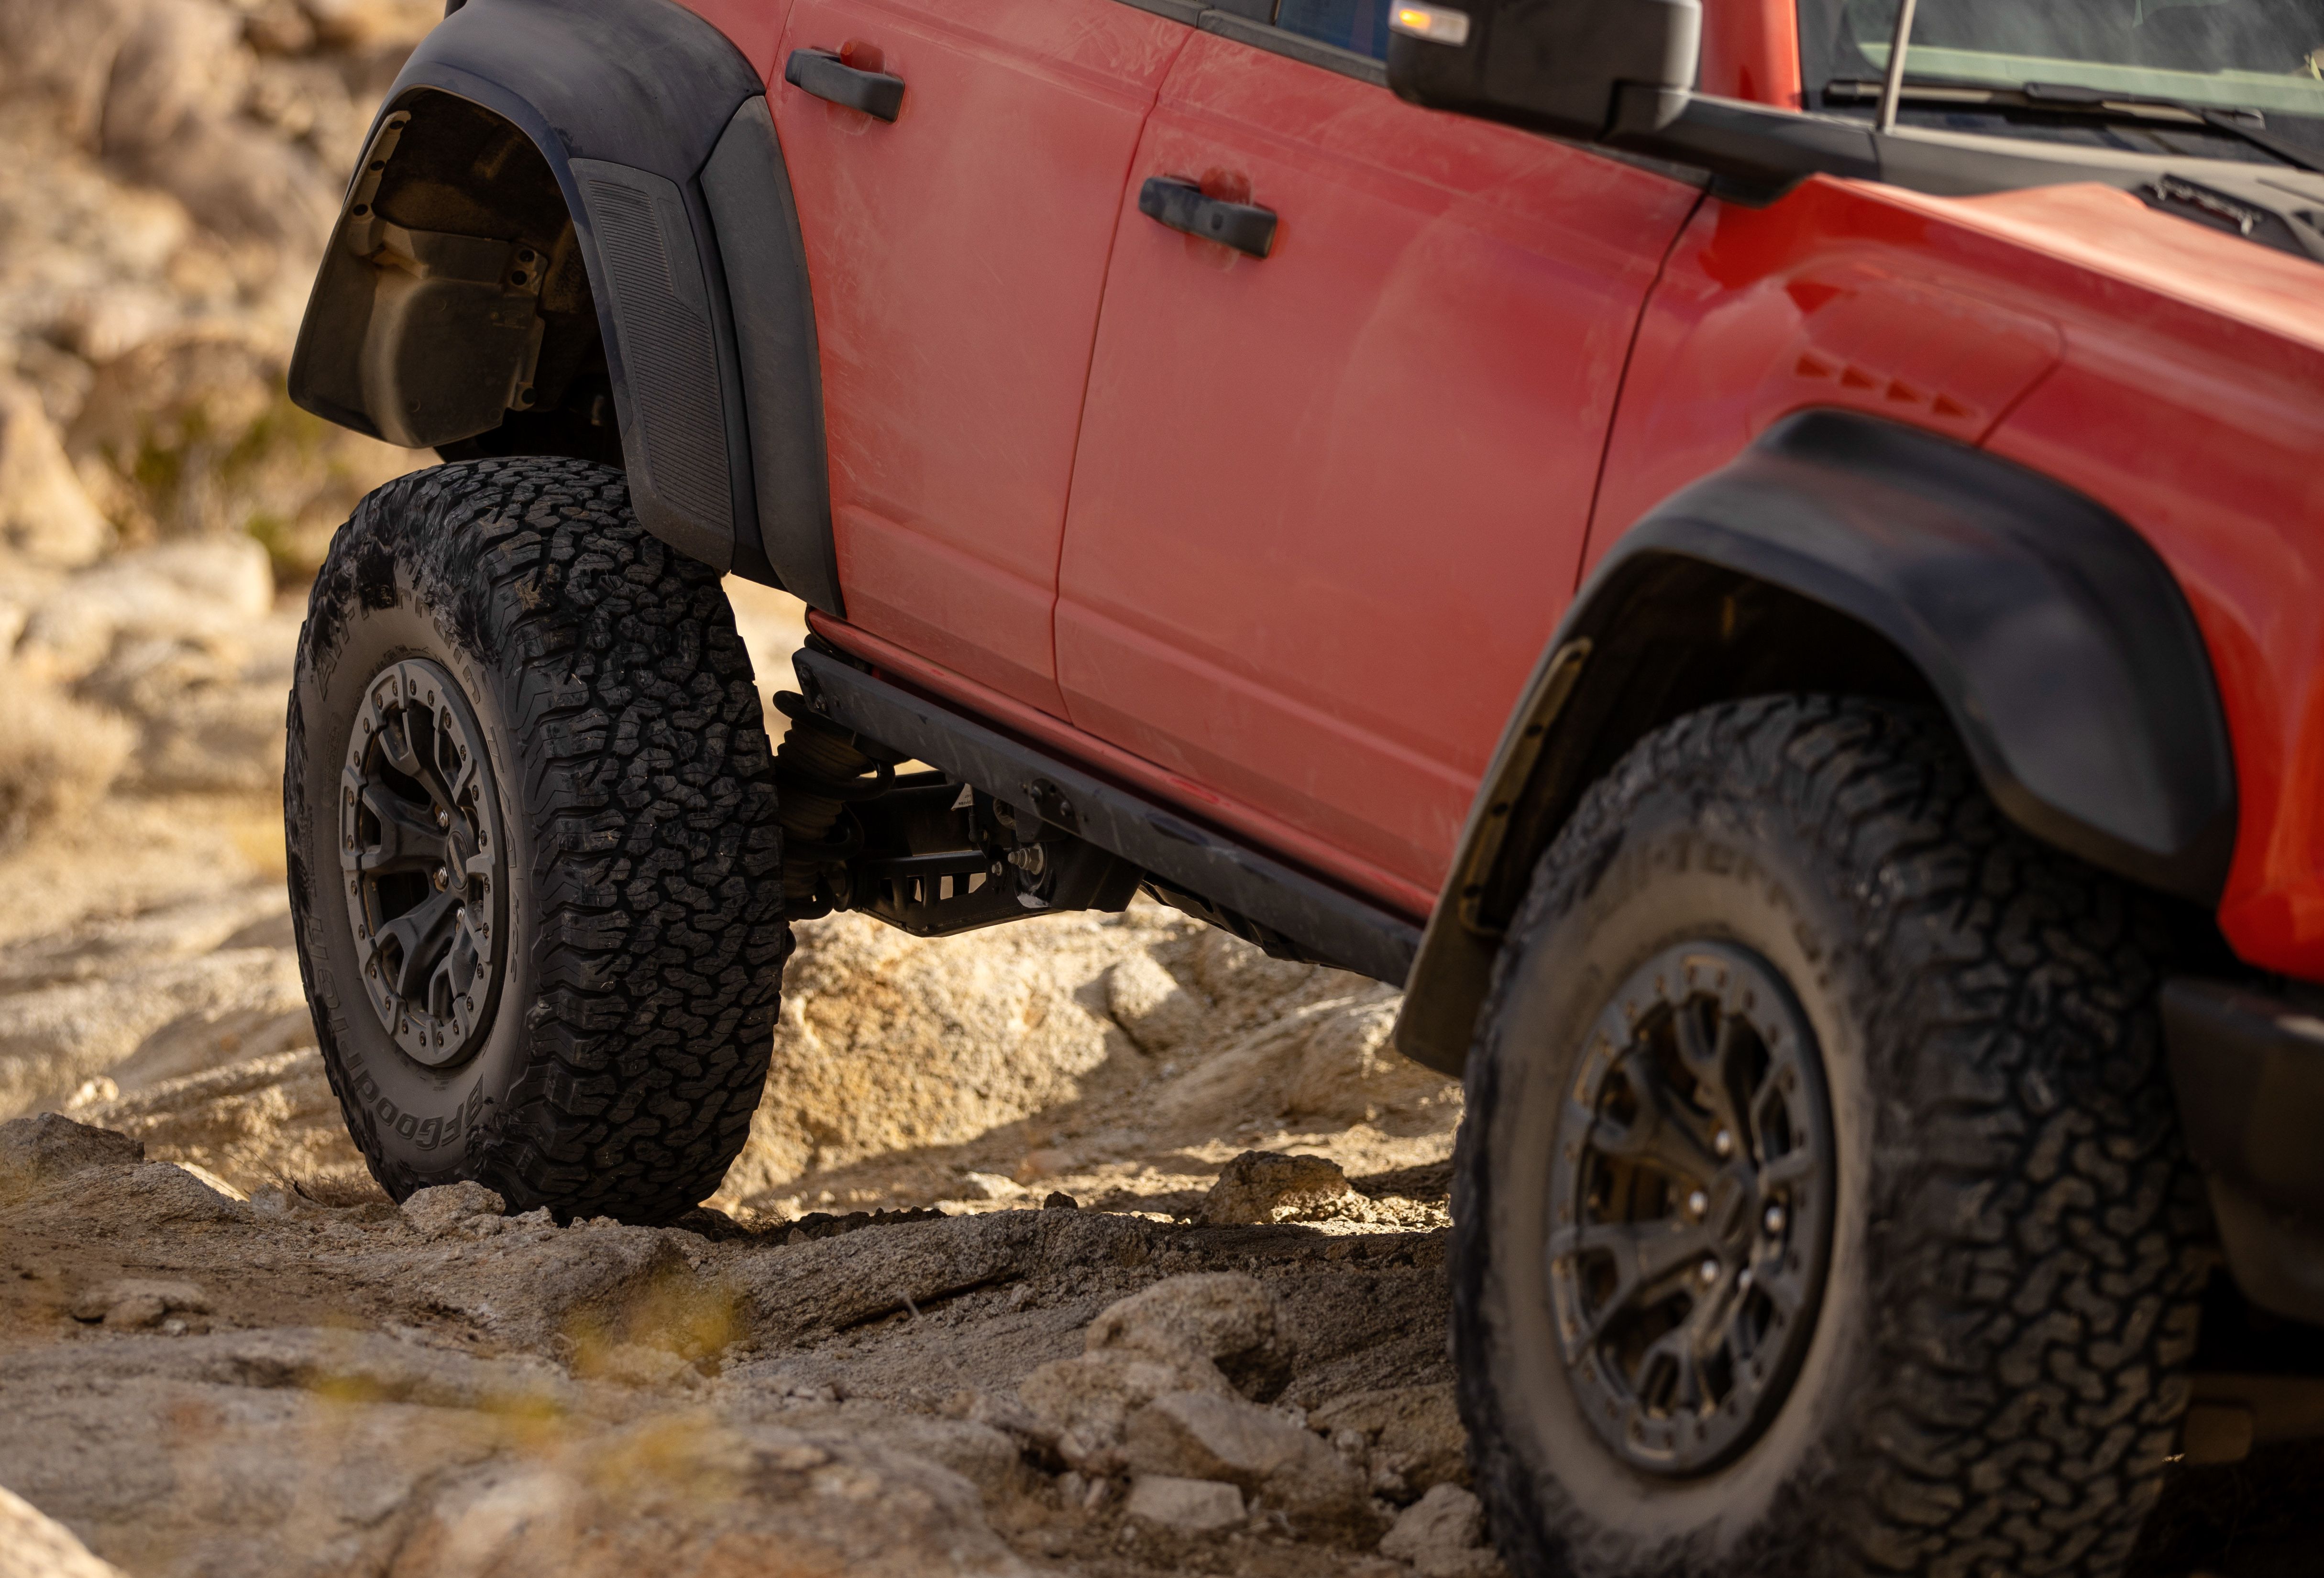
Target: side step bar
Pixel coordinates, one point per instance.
(1338, 927)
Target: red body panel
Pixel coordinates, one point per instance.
(956, 259)
(1328, 503)
(1825, 299)
(1294, 844)
(1326, 507)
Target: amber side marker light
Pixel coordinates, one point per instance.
(1432, 23)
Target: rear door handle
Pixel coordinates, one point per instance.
(827, 75)
(1181, 205)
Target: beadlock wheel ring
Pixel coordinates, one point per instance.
(1691, 1208)
(424, 855)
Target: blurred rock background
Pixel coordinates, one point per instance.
(170, 171)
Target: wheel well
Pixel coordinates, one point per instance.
(456, 311)
(1673, 635)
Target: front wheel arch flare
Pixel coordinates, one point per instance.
(1848, 555)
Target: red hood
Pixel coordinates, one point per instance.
(2112, 233)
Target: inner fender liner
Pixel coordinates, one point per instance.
(2052, 634)
(626, 101)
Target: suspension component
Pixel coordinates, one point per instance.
(820, 776)
(924, 850)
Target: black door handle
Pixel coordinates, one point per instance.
(827, 75)
(1181, 205)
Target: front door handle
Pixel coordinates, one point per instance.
(827, 75)
(1181, 205)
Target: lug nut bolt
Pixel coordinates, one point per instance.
(1697, 1204)
(443, 817)
(1774, 1220)
(442, 878)
(1723, 1142)
(1743, 1278)
(1708, 1271)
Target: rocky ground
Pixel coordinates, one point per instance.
(199, 1382)
(891, 1346)
(1096, 1244)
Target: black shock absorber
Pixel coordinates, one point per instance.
(820, 774)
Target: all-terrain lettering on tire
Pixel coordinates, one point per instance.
(1820, 1205)
(534, 862)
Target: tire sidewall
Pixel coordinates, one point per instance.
(421, 1126)
(1683, 870)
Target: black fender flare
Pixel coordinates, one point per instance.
(2051, 633)
(657, 130)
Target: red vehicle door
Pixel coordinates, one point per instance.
(957, 254)
(1330, 503)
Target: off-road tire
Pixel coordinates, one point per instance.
(1995, 1377)
(642, 943)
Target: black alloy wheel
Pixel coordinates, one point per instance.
(426, 858)
(1690, 1208)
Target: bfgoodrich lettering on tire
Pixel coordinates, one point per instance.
(1820, 1209)
(534, 862)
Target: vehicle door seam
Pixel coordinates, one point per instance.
(1621, 387)
(1089, 366)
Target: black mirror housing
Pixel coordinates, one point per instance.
(1554, 66)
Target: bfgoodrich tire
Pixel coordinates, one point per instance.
(1820, 1209)
(533, 857)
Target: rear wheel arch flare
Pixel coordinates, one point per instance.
(649, 130)
(1846, 555)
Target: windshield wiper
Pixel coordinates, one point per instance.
(2056, 98)
(2249, 125)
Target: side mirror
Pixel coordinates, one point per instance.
(1571, 68)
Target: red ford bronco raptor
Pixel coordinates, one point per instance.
(1765, 558)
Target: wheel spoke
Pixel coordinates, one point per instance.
(1796, 1165)
(1647, 1257)
(395, 744)
(423, 932)
(1770, 1276)
(457, 789)
(409, 838)
(1657, 1134)
(1710, 1060)
(1676, 1347)
(476, 939)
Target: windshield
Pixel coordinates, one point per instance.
(2260, 56)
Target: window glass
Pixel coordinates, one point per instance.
(1360, 25)
(2262, 56)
